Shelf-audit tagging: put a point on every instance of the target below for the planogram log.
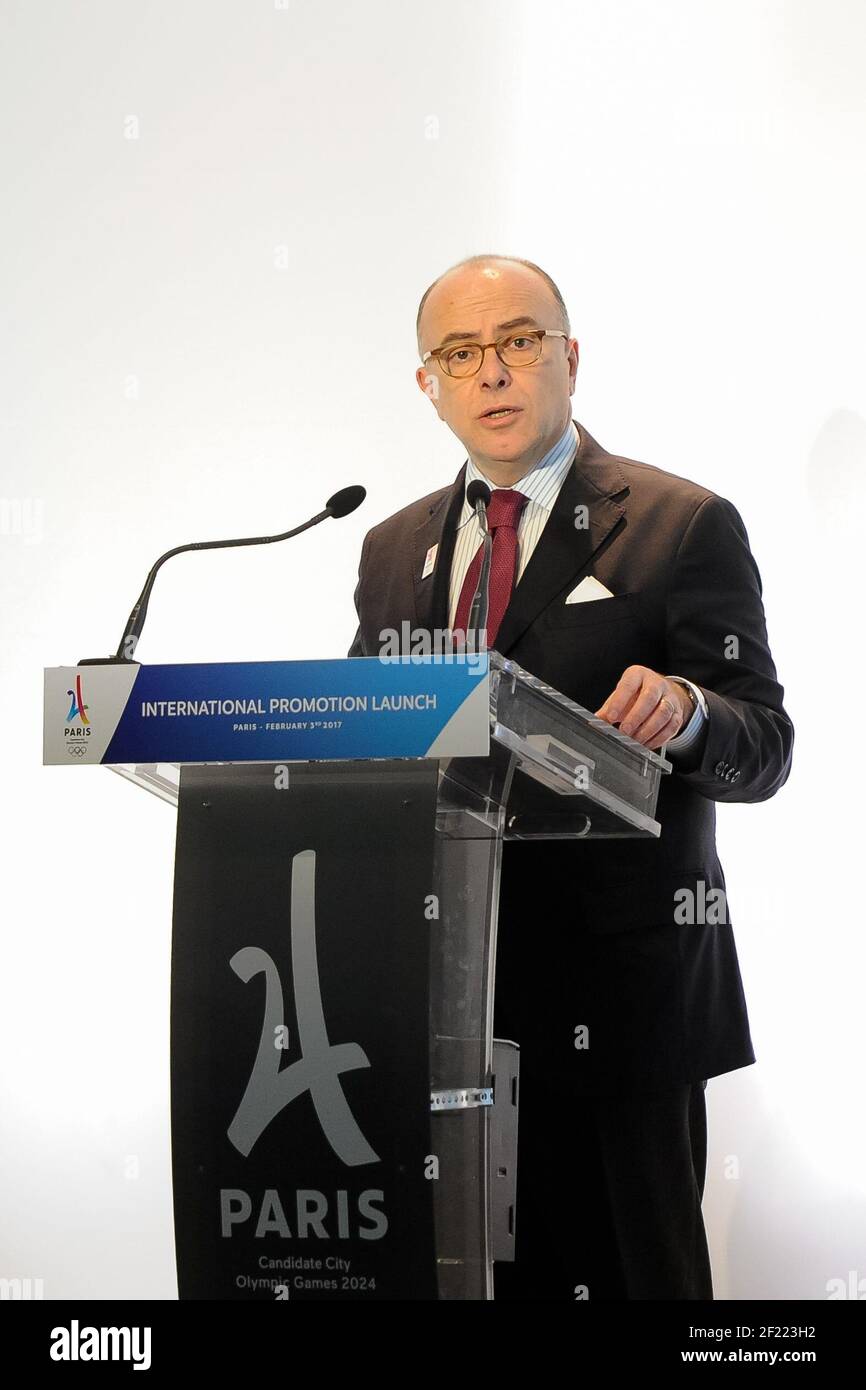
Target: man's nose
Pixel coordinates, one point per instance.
(493, 372)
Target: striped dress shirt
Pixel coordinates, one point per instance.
(541, 485)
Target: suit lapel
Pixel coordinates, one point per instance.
(593, 484)
(439, 529)
(571, 537)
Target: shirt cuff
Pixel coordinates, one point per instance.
(690, 732)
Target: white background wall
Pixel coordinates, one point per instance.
(210, 328)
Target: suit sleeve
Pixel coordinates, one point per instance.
(717, 637)
(357, 647)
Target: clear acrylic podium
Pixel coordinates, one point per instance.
(554, 771)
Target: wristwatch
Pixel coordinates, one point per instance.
(695, 694)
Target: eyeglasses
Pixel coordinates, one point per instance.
(517, 350)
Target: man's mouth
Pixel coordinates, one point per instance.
(497, 411)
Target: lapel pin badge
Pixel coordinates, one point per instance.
(429, 560)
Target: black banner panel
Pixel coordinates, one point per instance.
(300, 1068)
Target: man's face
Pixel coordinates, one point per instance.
(477, 302)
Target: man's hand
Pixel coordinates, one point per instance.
(649, 707)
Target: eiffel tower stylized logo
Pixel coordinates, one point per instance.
(318, 1069)
(77, 709)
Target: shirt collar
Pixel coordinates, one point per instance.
(542, 483)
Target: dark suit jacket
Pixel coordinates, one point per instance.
(588, 930)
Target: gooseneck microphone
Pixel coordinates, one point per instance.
(478, 496)
(341, 504)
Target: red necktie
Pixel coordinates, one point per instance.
(503, 516)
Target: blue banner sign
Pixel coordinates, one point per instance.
(269, 711)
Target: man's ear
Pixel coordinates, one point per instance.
(574, 352)
(429, 384)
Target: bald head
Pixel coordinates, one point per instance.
(487, 268)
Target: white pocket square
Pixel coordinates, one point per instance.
(588, 588)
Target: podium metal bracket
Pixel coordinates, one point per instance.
(461, 1098)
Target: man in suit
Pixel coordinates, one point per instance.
(635, 593)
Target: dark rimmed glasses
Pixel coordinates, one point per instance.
(516, 350)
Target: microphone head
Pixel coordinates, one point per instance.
(346, 500)
(478, 492)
